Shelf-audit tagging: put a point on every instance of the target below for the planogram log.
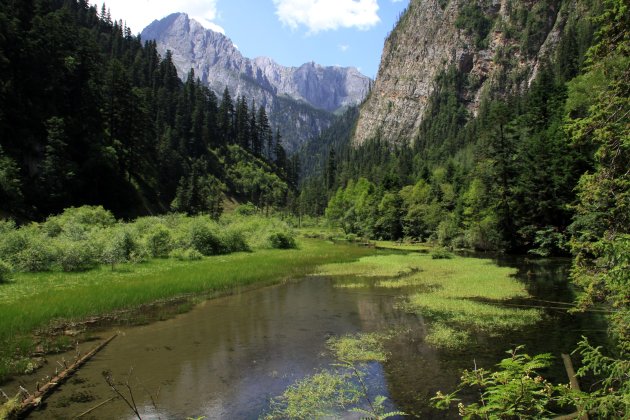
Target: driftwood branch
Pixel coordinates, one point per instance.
(44, 391)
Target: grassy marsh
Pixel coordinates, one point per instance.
(459, 294)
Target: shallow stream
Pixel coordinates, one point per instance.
(227, 358)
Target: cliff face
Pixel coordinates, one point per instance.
(305, 96)
(497, 44)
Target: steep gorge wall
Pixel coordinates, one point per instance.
(498, 44)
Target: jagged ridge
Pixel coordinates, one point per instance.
(218, 63)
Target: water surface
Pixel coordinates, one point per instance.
(229, 356)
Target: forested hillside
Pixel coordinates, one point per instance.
(90, 114)
(500, 176)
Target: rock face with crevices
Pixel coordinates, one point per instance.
(431, 37)
(301, 101)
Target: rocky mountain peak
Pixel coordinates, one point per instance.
(218, 63)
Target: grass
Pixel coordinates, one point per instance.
(321, 395)
(444, 337)
(33, 301)
(395, 265)
(459, 294)
(359, 348)
(404, 246)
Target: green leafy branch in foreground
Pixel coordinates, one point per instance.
(612, 397)
(516, 390)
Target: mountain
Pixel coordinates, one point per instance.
(300, 101)
(495, 45)
(463, 138)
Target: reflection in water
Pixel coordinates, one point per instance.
(229, 356)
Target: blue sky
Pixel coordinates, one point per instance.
(292, 32)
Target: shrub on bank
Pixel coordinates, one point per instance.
(282, 240)
(205, 239)
(76, 256)
(5, 271)
(185, 254)
(82, 237)
(159, 241)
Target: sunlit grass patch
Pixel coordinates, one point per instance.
(404, 246)
(444, 337)
(448, 291)
(342, 285)
(359, 348)
(461, 278)
(467, 313)
(373, 266)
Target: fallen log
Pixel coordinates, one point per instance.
(574, 384)
(36, 399)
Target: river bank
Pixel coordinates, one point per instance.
(34, 305)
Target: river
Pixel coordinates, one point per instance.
(227, 357)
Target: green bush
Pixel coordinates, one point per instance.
(75, 256)
(159, 241)
(39, 256)
(282, 240)
(193, 255)
(6, 226)
(234, 241)
(441, 254)
(88, 216)
(205, 240)
(351, 237)
(246, 210)
(484, 235)
(13, 242)
(447, 230)
(140, 254)
(185, 254)
(5, 271)
(116, 246)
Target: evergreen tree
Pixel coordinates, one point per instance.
(331, 169)
(265, 136)
(57, 171)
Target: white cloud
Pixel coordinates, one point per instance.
(324, 15)
(209, 25)
(139, 13)
(344, 47)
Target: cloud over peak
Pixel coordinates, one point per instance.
(326, 15)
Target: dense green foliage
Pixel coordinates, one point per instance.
(599, 117)
(517, 390)
(89, 114)
(81, 238)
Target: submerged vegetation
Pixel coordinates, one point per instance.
(460, 294)
(342, 388)
(462, 298)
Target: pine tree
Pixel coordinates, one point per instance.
(280, 155)
(265, 136)
(331, 169)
